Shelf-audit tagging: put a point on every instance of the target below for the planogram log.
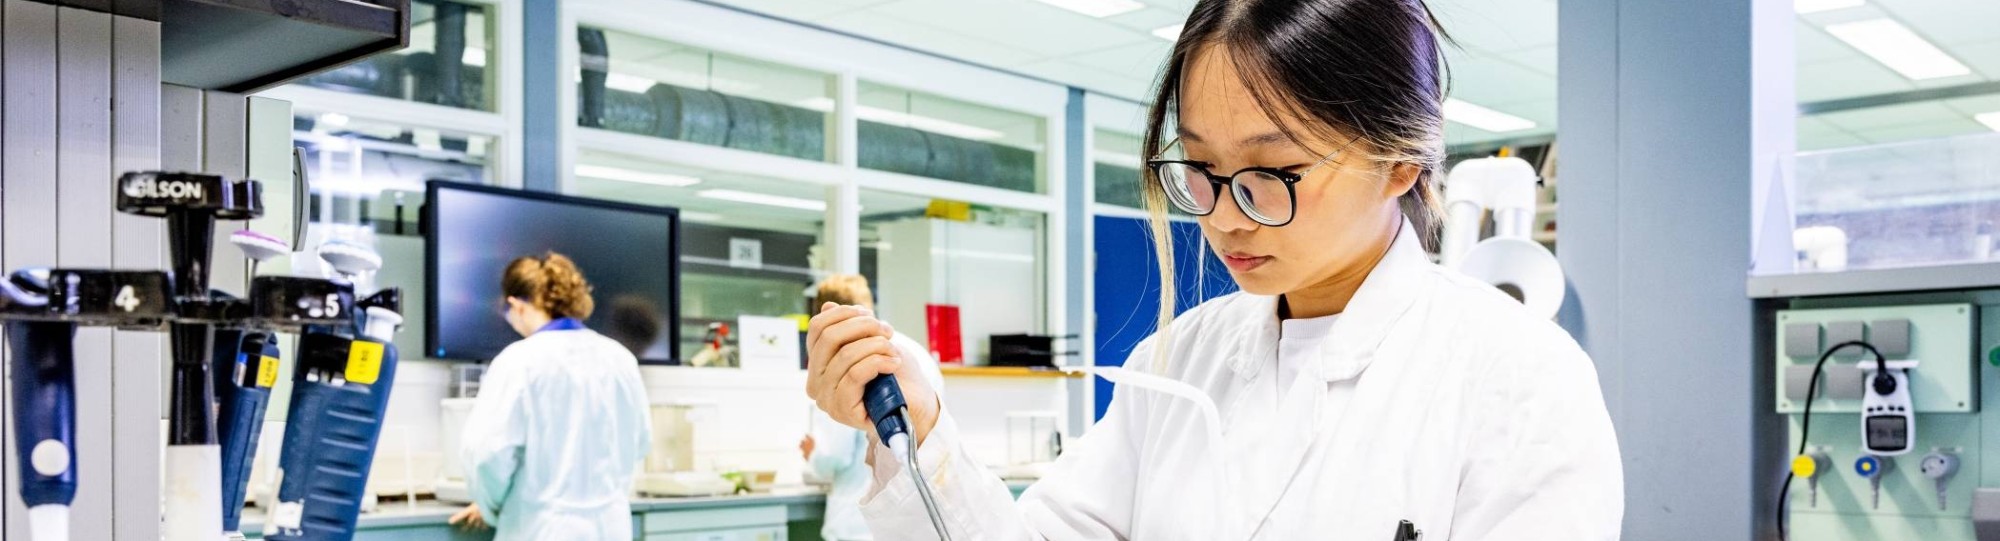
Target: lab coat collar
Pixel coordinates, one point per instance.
(1387, 294)
(562, 324)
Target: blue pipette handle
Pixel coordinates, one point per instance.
(331, 438)
(882, 398)
(44, 409)
(250, 365)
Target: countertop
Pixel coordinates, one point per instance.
(433, 512)
(393, 515)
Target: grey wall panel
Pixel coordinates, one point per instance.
(136, 243)
(1657, 245)
(30, 103)
(28, 200)
(9, 507)
(10, 528)
(83, 227)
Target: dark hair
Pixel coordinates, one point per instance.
(1367, 69)
(551, 283)
(634, 322)
(1364, 69)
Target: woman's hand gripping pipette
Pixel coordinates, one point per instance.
(847, 349)
(853, 374)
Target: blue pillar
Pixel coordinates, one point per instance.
(541, 106)
(1076, 216)
(1667, 110)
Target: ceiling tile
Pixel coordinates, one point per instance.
(1106, 82)
(805, 10)
(1815, 124)
(1146, 20)
(1037, 28)
(1890, 116)
(1984, 57)
(1942, 82)
(1485, 80)
(1961, 126)
(1459, 134)
(1498, 25)
(1862, 13)
(1820, 81)
(927, 38)
(1140, 61)
(1542, 111)
(1976, 105)
(1540, 59)
(1828, 140)
(1948, 21)
(1815, 45)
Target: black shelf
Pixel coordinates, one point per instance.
(245, 46)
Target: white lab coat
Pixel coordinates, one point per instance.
(840, 454)
(558, 431)
(1435, 400)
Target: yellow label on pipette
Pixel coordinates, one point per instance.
(267, 371)
(364, 362)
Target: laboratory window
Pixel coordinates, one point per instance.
(1116, 167)
(915, 133)
(449, 61)
(644, 86)
(749, 245)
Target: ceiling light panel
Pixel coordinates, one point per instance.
(1902, 50)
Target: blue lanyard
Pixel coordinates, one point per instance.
(563, 324)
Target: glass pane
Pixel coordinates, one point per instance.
(645, 86)
(749, 245)
(1116, 166)
(367, 187)
(930, 136)
(372, 173)
(1898, 205)
(935, 262)
(1896, 164)
(458, 33)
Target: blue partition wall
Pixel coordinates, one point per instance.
(1127, 284)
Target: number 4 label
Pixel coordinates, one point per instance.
(126, 299)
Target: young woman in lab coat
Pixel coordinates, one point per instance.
(839, 453)
(1353, 384)
(562, 420)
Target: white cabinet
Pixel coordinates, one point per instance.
(756, 523)
(993, 275)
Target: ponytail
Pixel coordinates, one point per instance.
(551, 283)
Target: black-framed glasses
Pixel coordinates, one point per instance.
(1267, 195)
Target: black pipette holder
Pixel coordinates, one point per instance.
(43, 307)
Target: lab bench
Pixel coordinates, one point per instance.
(777, 516)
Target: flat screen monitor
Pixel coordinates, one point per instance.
(629, 253)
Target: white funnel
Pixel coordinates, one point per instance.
(1521, 268)
(351, 260)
